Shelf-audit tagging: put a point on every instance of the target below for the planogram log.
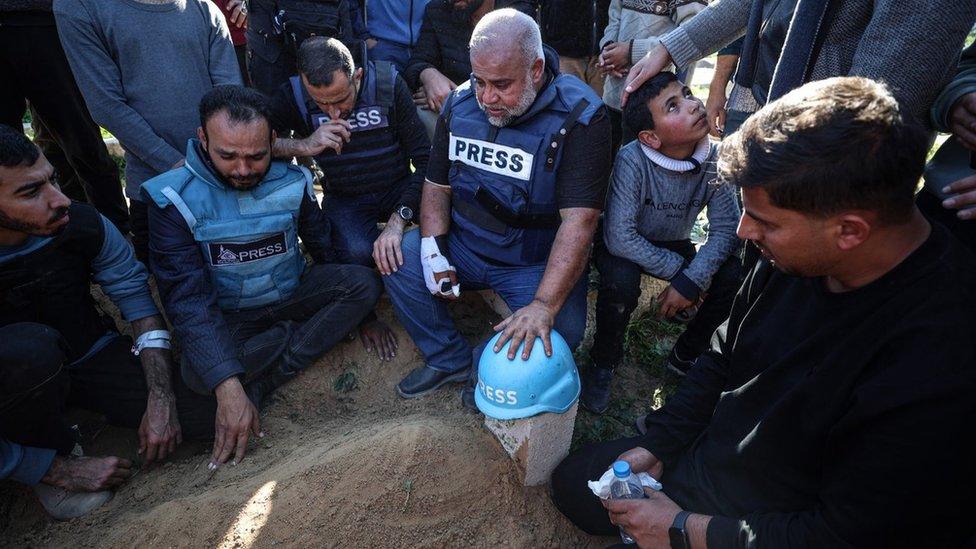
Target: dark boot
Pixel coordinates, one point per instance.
(595, 394)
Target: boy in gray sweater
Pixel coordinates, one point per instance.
(660, 183)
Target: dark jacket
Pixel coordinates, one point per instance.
(443, 42)
(186, 286)
(573, 27)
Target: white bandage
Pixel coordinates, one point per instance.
(156, 339)
(433, 261)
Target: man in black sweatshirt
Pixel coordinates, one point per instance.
(835, 406)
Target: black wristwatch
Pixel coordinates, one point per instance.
(677, 533)
(405, 213)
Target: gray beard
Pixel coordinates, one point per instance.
(524, 103)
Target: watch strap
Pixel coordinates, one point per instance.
(677, 533)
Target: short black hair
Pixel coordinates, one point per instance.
(16, 149)
(832, 145)
(241, 105)
(637, 113)
(319, 57)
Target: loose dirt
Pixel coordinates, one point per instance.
(339, 467)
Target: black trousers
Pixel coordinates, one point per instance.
(620, 290)
(37, 385)
(33, 68)
(573, 497)
(286, 337)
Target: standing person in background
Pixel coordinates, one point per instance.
(139, 89)
(34, 69)
(276, 29)
(235, 14)
(394, 28)
(440, 61)
(725, 115)
(633, 29)
(573, 28)
(949, 195)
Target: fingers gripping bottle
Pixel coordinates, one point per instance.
(625, 486)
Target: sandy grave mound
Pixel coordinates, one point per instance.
(346, 463)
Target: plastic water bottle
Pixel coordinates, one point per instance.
(625, 486)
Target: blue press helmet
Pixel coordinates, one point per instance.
(515, 389)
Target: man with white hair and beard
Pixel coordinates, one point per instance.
(515, 184)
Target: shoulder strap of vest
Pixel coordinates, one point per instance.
(559, 137)
(298, 94)
(309, 181)
(385, 79)
(177, 200)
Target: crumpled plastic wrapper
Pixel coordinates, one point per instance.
(601, 487)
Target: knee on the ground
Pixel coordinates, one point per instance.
(31, 353)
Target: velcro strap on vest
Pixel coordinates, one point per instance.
(557, 139)
(495, 217)
(177, 200)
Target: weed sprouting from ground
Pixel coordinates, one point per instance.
(641, 383)
(346, 382)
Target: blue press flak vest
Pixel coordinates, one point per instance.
(503, 179)
(248, 239)
(372, 160)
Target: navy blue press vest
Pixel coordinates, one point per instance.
(503, 194)
(372, 160)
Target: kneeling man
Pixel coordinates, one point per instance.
(57, 349)
(835, 406)
(514, 187)
(223, 245)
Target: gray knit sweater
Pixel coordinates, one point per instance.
(143, 69)
(647, 202)
(911, 45)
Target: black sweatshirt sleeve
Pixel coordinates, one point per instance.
(896, 417)
(315, 231)
(688, 412)
(413, 141)
(427, 52)
(438, 166)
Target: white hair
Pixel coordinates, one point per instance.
(504, 28)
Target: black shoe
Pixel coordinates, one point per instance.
(677, 364)
(260, 389)
(467, 399)
(595, 394)
(425, 379)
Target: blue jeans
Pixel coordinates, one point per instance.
(394, 52)
(354, 219)
(426, 317)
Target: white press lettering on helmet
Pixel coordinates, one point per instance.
(513, 389)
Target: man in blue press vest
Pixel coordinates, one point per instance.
(515, 184)
(224, 248)
(361, 127)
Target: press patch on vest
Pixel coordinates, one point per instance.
(491, 157)
(366, 118)
(235, 253)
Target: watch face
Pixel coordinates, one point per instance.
(406, 213)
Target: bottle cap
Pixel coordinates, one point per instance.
(621, 469)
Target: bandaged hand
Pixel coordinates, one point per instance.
(439, 275)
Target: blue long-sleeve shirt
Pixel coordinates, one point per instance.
(115, 269)
(395, 20)
(189, 296)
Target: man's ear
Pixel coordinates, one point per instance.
(538, 68)
(357, 76)
(202, 136)
(853, 229)
(649, 138)
(274, 137)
